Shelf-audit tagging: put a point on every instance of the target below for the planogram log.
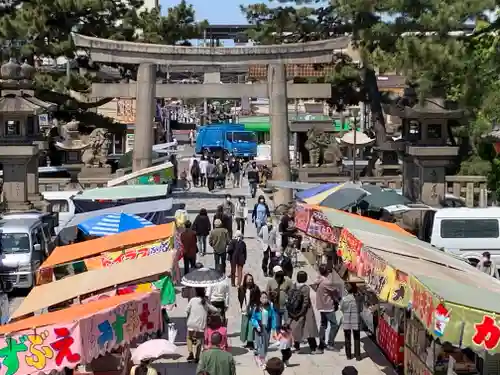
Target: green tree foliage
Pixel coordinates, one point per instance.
(42, 29)
(415, 38)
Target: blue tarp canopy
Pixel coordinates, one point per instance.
(113, 224)
(315, 190)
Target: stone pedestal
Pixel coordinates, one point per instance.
(34, 195)
(89, 172)
(145, 111)
(278, 110)
(17, 176)
(424, 173)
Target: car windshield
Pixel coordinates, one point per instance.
(244, 137)
(12, 243)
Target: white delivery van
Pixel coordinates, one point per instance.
(62, 204)
(466, 232)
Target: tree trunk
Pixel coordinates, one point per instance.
(371, 87)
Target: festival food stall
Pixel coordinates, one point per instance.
(79, 334)
(445, 304)
(103, 281)
(109, 250)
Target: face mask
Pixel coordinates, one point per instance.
(228, 199)
(261, 201)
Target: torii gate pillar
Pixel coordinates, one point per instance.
(278, 106)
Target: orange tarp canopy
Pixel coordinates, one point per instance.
(68, 315)
(120, 241)
(384, 224)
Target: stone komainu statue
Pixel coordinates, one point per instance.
(332, 155)
(313, 145)
(96, 155)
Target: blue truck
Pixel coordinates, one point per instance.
(224, 140)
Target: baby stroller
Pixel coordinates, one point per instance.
(215, 324)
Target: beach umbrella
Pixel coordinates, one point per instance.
(112, 224)
(203, 277)
(152, 349)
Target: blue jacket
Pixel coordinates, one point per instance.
(256, 318)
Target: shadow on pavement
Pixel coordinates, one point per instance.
(180, 325)
(236, 351)
(175, 368)
(372, 352)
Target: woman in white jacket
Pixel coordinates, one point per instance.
(268, 236)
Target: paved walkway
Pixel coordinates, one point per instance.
(327, 363)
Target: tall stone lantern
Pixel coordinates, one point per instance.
(427, 147)
(20, 137)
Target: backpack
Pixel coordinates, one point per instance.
(295, 301)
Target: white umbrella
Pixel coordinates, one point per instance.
(152, 349)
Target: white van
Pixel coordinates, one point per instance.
(466, 232)
(63, 204)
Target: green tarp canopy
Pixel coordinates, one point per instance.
(262, 123)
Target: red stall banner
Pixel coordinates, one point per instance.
(315, 224)
(302, 216)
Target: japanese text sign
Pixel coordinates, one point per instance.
(320, 228)
(302, 216)
(57, 346)
(422, 302)
(42, 350)
(349, 248)
(111, 258)
(109, 329)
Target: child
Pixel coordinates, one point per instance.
(264, 322)
(285, 340)
(215, 325)
(275, 366)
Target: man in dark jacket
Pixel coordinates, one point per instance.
(237, 252)
(201, 226)
(226, 220)
(189, 240)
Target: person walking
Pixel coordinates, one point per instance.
(225, 220)
(327, 297)
(278, 288)
(203, 170)
(189, 244)
(252, 173)
(487, 266)
(301, 314)
(248, 297)
(211, 172)
(241, 214)
(216, 361)
(237, 253)
(260, 213)
(287, 229)
(191, 137)
(218, 295)
(228, 209)
(235, 170)
(201, 226)
(195, 172)
(197, 312)
(285, 339)
(264, 322)
(219, 239)
(350, 306)
(268, 236)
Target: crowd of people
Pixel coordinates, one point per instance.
(279, 313)
(216, 172)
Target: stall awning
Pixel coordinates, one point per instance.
(68, 315)
(123, 192)
(66, 289)
(468, 287)
(86, 249)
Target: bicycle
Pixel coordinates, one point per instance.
(184, 184)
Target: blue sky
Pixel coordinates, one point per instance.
(215, 11)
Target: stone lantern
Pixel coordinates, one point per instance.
(427, 150)
(20, 137)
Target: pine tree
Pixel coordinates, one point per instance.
(412, 37)
(42, 29)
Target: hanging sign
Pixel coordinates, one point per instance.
(349, 248)
(315, 224)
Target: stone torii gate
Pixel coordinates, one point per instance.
(147, 56)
